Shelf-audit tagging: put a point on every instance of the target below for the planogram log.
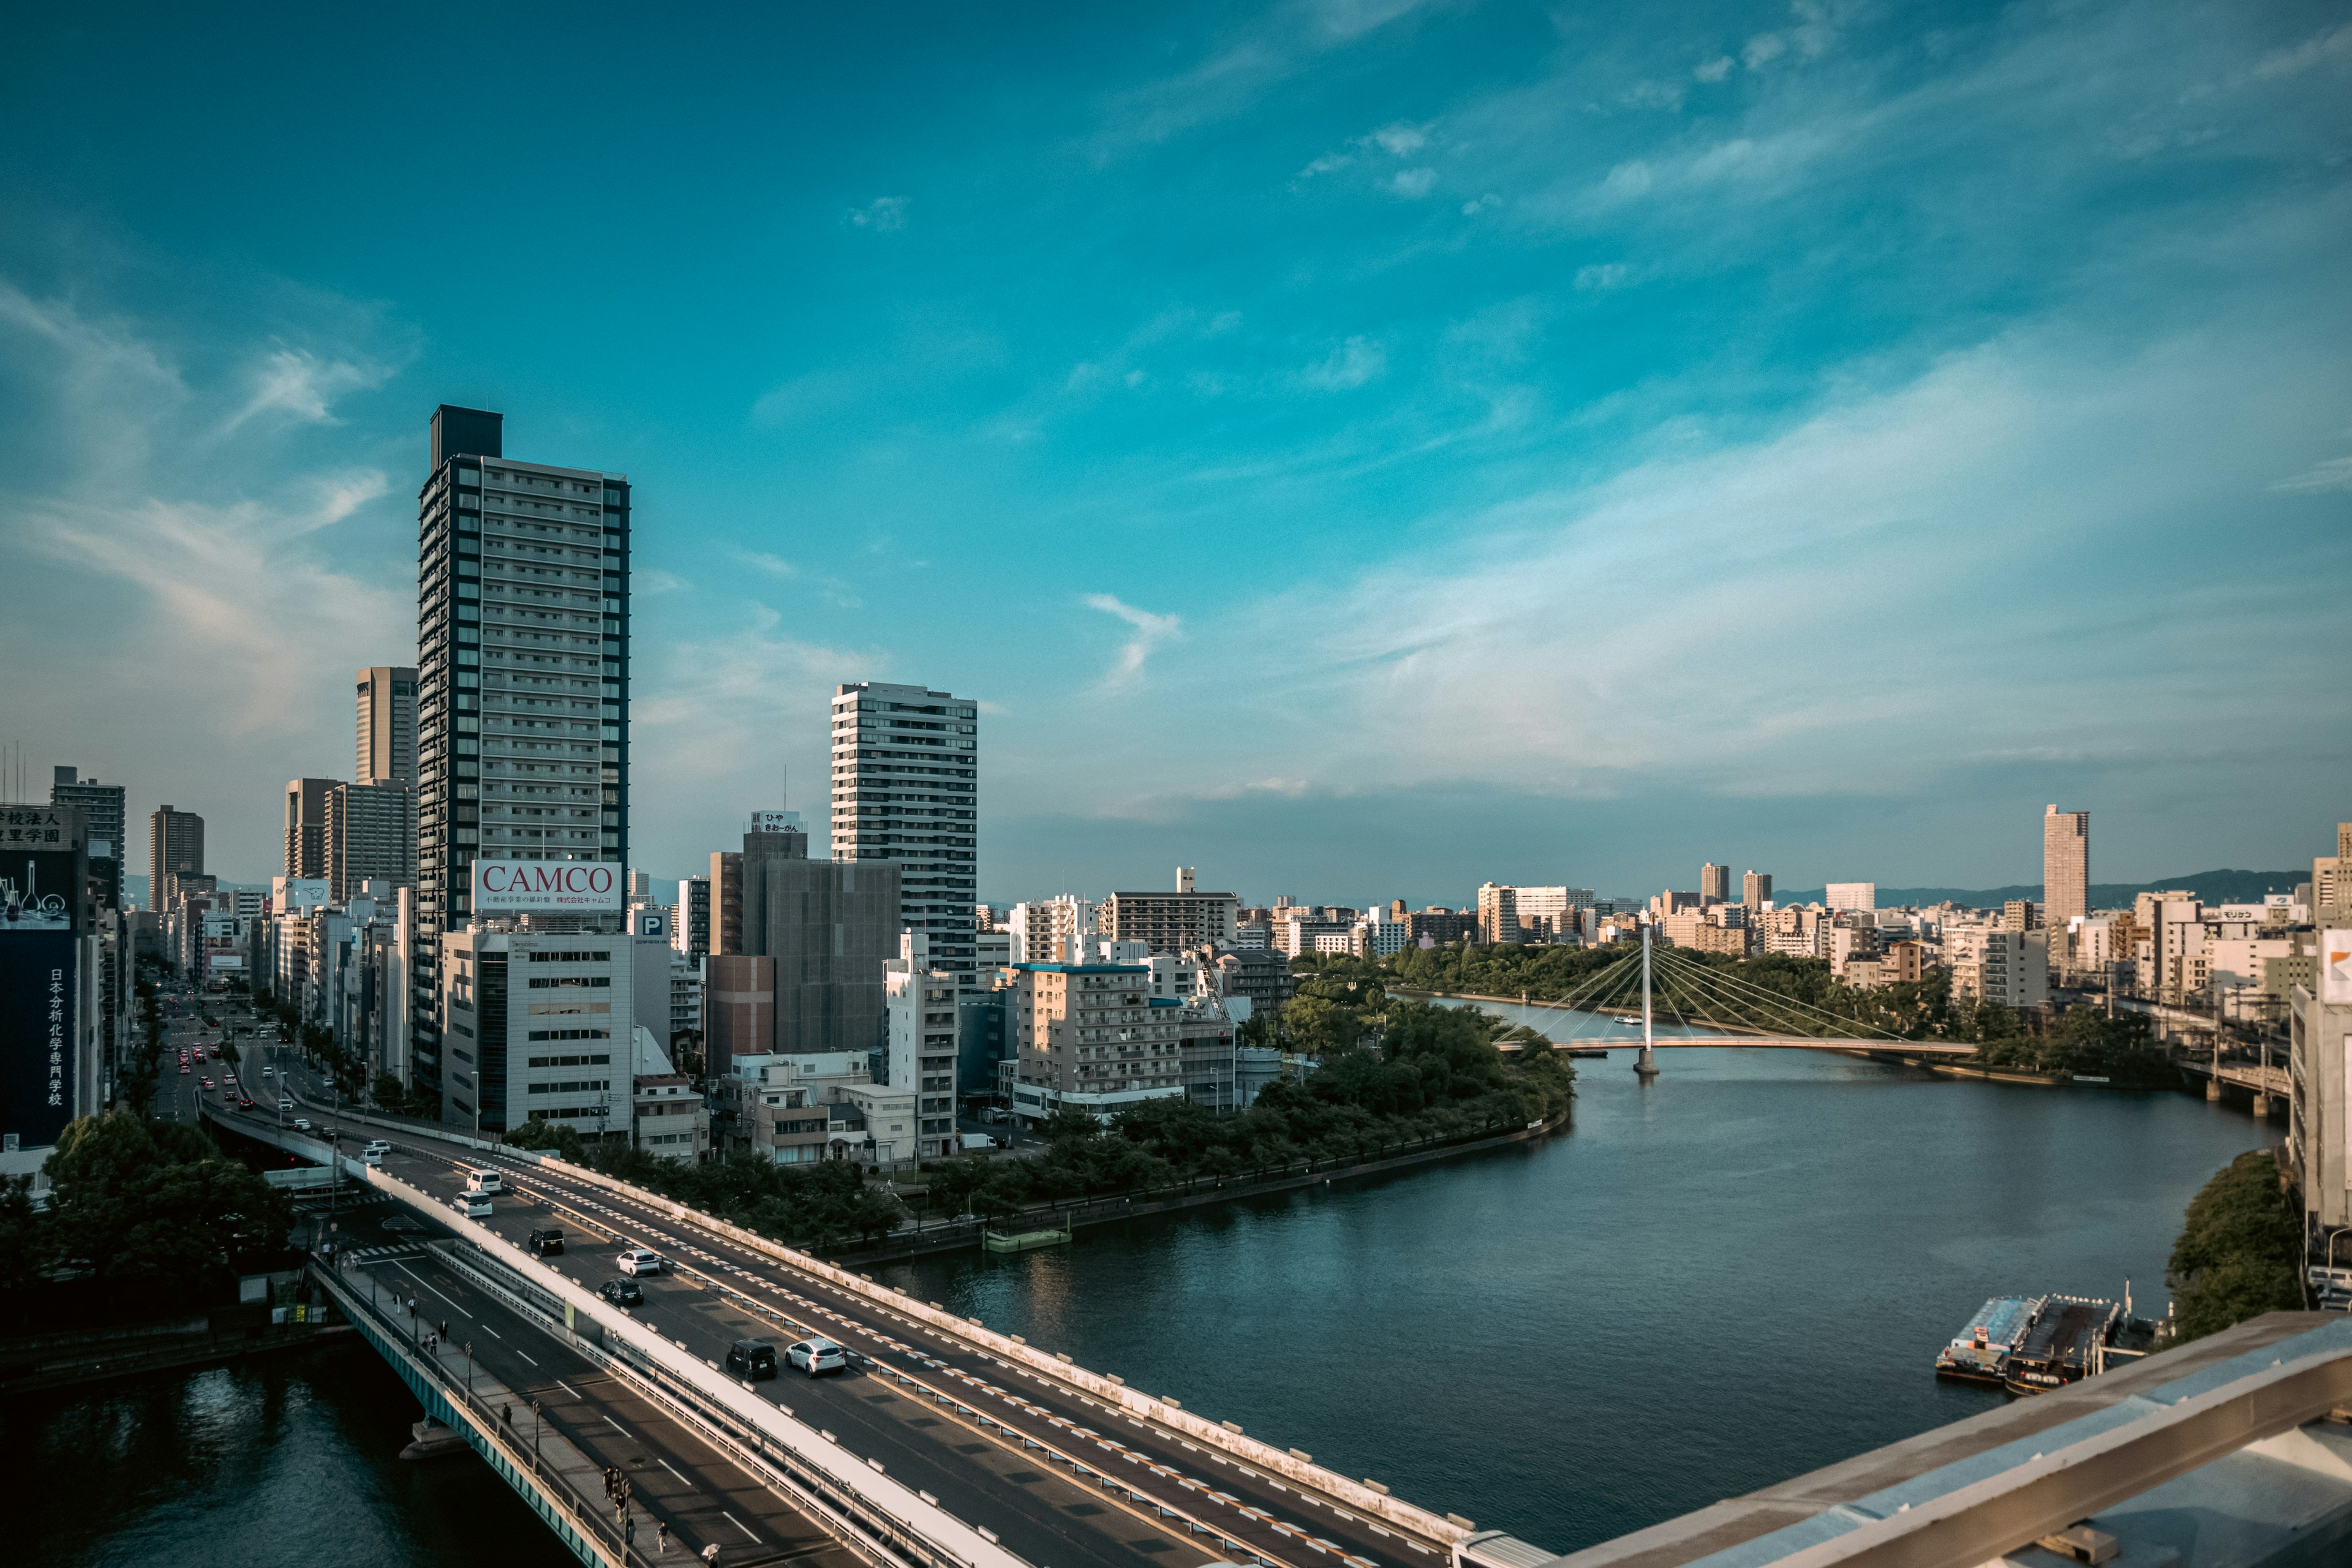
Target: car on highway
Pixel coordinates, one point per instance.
(639, 1260)
(623, 1292)
(816, 1356)
(245, 1105)
(301, 1123)
(473, 1205)
(375, 1151)
(284, 1103)
(185, 1068)
(752, 1360)
(484, 1179)
(208, 1083)
(547, 1241)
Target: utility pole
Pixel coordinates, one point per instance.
(1645, 1066)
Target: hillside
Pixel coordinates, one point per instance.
(2214, 887)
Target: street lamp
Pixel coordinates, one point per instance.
(470, 1369)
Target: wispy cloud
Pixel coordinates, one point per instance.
(1347, 367)
(1150, 631)
(2334, 474)
(302, 387)
(883, 212)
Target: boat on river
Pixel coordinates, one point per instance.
(1979, 1353)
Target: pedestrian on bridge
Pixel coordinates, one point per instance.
(661, 1537)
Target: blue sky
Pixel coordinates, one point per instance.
(1361, 448)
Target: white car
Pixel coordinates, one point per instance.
(375, 1151)
(301, 1124)
(818, 1356)
(473, 1205)
(639, 1260)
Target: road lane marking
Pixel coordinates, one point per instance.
(665, 1464)
(737, 1523)
(570, 1390)
(420, 1278)
(526, 1357)
(617, 1427)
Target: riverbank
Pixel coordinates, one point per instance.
(1091, 1212)
(69, 1357)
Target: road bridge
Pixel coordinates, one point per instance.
(1058, 1464)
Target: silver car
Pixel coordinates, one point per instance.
(818, 1356)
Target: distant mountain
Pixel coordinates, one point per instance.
(2213, 887)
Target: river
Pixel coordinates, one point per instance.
(1736, 1274)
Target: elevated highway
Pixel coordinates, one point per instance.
(1054, 1463)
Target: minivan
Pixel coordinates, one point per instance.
(283, 1103)
(752, 1360)
(484, 1179)
(473, 1205)
(639, 1260)
(375, 1151)
(547, 1241)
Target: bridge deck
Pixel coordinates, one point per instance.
(1001, 1453)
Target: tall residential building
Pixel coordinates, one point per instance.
(1756, 889)
(1713, 884)
(306, 826)
(693, 937)
(923, 1008)
(1172, 923)
(2066, 866)
(387, 726)
(175, 847)
(906, 770)
(1052, 931)
(522, 667)
(370, 837)
(106, 817)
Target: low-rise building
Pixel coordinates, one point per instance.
(1087, 1038)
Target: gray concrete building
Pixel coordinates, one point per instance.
(175, 848)
(370, 837)
(387, 726)
(306, 826)
(905, 791)
(105, 815)
(522, 663)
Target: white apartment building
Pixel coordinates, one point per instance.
(1992, 965)
(1051, 931)
(1377, 936)
(1087, 1036)
(921, 1057)
(1850, 895)
(906, 770)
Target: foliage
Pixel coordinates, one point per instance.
(149, 1204)
(2083, 1041)
(816, 1204)
(390, 1095)
(558, 1138)
(2238, 1252)
(1435, 1073)
(26, 1249)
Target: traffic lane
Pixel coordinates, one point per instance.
(704, 1318)
(1225, 1498)
(971, 1476)
(704, 1495)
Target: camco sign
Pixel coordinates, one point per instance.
(578, 887)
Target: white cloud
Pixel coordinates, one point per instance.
(882, 213)
(1601, 275)
(1763, 50)
(761, 561)
(1414, 183)
(1350, 365)
(1714, 69)
(2331, 48)
(1330, 163)
(2334, 474)
(1477, 204)
(302, 386)
(1150, 631)
(654, 580)
(1401, 141)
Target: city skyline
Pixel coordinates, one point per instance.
(1666, 529)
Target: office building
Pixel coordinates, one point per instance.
(1713, 884)
(829, 928)
(1436, 926)
(53, 1050)
(105, 818)
(2066, 866)
(738, 1010)
(175, 848)
(1756, 889)
(906, 790)
(306, 826)
(1170, 922)
(369, 837)
(920, 1003)
(387, 726)
(1850, 895)
(1537, 915)
(522, 644)
(538, 1026)
(694, 917)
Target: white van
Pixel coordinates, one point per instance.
(375, 1151)
(484, 1179)
(473, 1205)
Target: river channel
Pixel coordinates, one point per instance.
(1732, 1276)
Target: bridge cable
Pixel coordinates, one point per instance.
(1758, 999)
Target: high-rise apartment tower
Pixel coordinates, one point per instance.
(1755, 891)
(906, 789)
(306, 826)
(106, 814)
(2066, 866)
(522, 668)
(175, 847)
(1713, 884)
(387, 726)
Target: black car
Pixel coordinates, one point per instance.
(752, 1360)
(547, 1243)
(623, 1292)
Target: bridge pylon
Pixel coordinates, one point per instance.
(1645, 1066)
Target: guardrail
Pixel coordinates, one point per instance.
(1365, 1496)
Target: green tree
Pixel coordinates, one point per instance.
(26, 1243)
(2238, 1250)
(558, 1138)
(151, 1205)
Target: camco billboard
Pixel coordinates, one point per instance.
(574, 886)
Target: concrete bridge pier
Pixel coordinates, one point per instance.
(1645, 1066)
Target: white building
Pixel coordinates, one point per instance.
(1051, 931)
(906, 767)
(1992, 965)
(1850, 895)
(540, 1026)
(1377, 936)
(921, 1057)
